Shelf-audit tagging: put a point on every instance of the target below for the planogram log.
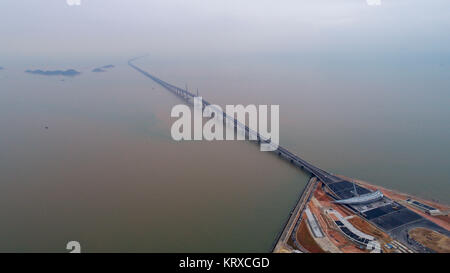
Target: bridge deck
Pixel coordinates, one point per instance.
(281, 151)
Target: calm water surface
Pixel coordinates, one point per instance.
(364, 94)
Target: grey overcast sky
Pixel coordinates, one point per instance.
(112, 28)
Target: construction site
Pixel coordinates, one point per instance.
(352, 216)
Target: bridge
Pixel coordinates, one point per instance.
(281, 151)
(388, 215)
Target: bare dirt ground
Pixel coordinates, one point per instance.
(325, 243)
(305, 239)
(431, 239)
(370, 229)
(319, 202)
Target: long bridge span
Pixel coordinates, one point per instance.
(388, 215)
(281, 151)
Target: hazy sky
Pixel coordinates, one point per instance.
(112, 28)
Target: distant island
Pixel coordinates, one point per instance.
(102, 68)
(68, 72)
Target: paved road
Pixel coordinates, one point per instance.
(295, 217)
